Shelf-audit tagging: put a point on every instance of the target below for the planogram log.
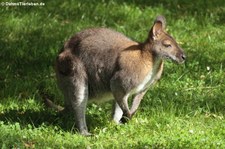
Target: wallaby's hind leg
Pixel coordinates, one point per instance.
(122, 112)
(117, 113)
(79, 96)
(72, 80)
(121, 106)
(120, 95)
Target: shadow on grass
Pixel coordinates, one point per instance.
(49, 118)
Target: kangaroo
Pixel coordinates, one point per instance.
(102, 64)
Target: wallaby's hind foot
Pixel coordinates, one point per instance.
(86, 133)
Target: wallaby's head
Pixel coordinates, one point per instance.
(163, 45)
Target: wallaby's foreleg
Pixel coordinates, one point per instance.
(136, 102)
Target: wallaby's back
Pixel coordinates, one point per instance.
(98, 50)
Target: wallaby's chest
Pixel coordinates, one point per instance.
(152, 76)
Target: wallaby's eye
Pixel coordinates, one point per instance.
(167, 43)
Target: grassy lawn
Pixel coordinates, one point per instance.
(186, 109)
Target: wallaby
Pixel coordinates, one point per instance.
(100, 63)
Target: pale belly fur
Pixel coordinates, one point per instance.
(104, 97)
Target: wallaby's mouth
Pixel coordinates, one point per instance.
(177, 59)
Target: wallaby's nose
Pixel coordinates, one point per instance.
(183, 56)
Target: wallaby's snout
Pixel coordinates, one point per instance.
(177, 55)
(164, 45)
(181, 57)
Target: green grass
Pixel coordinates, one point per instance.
(185, 109)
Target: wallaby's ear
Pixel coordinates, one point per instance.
(158, 27)
(161, 19)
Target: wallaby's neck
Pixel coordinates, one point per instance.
(147, 49)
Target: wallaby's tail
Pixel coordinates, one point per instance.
(48, 103)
